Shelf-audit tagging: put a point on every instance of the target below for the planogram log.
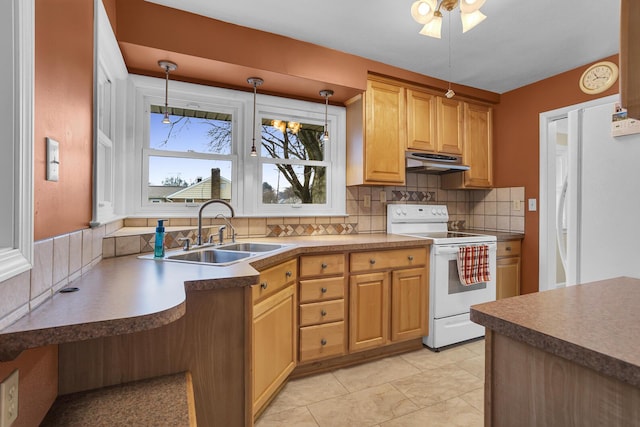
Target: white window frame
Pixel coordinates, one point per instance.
(271, 107)
(16, 128)
(109, 67)
(246, 176)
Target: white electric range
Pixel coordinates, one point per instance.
(449, 300)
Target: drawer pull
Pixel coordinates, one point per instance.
(372, 261)
(508, 248)
(323, 290)
(323, 313)
(410, 257)
(263, 285)
(323, 341)
(324, 265)
(288, 274)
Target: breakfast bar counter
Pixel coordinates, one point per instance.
(564, 357)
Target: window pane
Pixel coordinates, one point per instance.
(180, 180)
(293, 184)
(190, 131)
(283, 139)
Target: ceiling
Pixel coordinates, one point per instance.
(519, 43)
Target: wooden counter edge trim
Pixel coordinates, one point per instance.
(599, 362)
(12, 344)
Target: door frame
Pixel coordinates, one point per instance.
(546, 239)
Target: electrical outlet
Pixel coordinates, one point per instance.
(516, 205)
(367, 201)
(9, 400)
(383, 196)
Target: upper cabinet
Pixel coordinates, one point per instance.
(434, 123)
(477, 152)
(376, 135)
(450, 129)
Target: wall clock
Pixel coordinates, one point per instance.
(598, 77)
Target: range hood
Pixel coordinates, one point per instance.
(434, 163)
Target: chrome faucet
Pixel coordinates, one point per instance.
(204, 205)
(224, 227)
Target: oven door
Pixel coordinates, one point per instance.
(450, 297)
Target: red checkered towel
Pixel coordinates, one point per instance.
(473, 264)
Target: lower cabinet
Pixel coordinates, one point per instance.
(391, 304)
(508, 269)
(273, 334)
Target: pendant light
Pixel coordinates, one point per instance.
(167, 66)
(326, 93)
(255, 82)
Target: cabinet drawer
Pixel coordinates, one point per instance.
(509, 248)
(378, 260)
(321, 265)
(321, 289)
(321, 312)
(321, 341)
(274, 279)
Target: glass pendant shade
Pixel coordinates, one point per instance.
(434, 27)
(470, 6)
(422, 11)
(470, 20)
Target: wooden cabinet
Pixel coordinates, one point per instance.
(376, 134)
(630, 57)
(477, 152)
(450, 129)
(508, 269)
(421, 121)
(273, 332)
(322, 310)
(388, 297)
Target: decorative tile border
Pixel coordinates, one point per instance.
(413, 196)
(287, 230)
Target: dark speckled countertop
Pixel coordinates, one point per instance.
(595, 325)
(128, 294)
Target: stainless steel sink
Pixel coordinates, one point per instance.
(210, 256)
(251, 247)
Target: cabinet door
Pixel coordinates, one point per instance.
(369, 310)
(274, 344)
(450, 130)
(409, 304)
(385, 138)
(478, 143)
(507, 277)
(421, 121)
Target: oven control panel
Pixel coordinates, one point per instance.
(417, 213)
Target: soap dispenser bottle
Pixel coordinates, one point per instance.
(158, 250)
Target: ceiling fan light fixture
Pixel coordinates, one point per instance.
(434, 27)
(470, 6)
(422, 11)
(470, 20)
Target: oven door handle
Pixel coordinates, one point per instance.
(450, 250)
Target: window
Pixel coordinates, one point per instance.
(203, 153)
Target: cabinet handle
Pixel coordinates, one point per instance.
(288, 274)
(323, 341)
(323, 265)
(508, 248)
(410, 257)
(263, 285)
(323, 290)
(372, 261)
(323, 313)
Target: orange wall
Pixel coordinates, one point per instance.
(63, 111)
(517, 147)
(38, 383)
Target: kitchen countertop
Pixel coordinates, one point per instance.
(594, 325)
(128, 294)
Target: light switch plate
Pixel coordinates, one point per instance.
(53, 159)
(532, 205)
(516, 205)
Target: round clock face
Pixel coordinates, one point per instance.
(599, 77)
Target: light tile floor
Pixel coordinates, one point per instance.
(420, 389)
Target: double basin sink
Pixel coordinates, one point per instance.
(224, 254)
